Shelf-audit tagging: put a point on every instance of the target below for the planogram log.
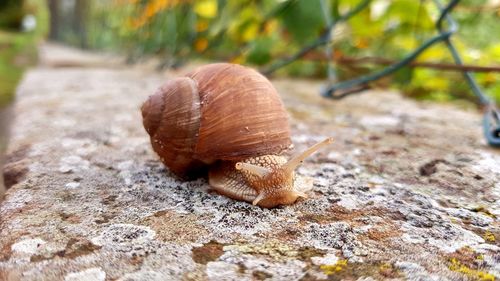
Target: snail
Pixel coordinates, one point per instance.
(227, 119)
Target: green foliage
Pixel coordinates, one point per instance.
(310, 16)
(261, 32)
(259, 52)
(11, 13)
(18, 49)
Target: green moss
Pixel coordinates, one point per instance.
(489, 236)
(483, 210)
(466, 261)
(333, 268)
(474, 274)
(13, 48)
(342, 270)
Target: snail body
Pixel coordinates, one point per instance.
(229, 120)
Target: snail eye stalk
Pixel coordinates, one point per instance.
(253, 169)
(293, 163)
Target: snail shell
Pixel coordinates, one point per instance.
(218, 112)
(228, 119)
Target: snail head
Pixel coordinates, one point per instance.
(276, 185)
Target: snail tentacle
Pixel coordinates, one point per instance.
(253, 169)
(259, 197)
(195, 126)
(297, 160)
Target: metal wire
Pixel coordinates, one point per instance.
(327, 15)
(491, 119)
(322, 40)
(349, 85)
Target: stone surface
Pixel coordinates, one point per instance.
(408, 191)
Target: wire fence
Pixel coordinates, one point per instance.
(322, 38)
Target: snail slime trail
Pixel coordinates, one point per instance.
(195, 126)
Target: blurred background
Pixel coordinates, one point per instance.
(262, 33)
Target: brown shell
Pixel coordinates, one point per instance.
(217, 112)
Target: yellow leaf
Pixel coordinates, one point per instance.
(270, 26)
(434, 53)
(489, 78)
(152, 9)
(200, 44)
(238, 59)
(431, 80)
(494, 50)
(406, 42)
(206, 8)
(201, 25)
(250, 32)
(361, 43)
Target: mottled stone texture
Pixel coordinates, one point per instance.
(408, 190)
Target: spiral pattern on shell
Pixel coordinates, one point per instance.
(217, 112)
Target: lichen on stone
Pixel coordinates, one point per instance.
(92, 199)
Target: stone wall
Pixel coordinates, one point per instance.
(408, 191)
